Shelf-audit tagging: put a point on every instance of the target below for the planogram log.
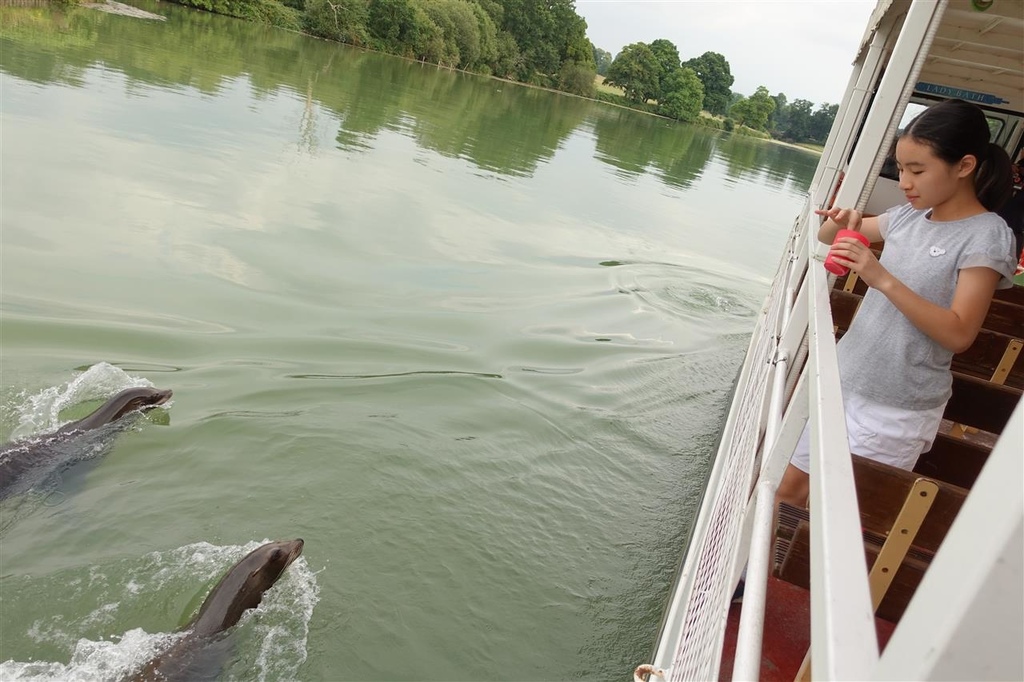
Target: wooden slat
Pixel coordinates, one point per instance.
(844, 306)
(953, 460)
(795, 569)
(980, 403)
(795, 566)
(881, 493)
(881, 490)
(1005, 317)
(984, 356)
(1014, 294)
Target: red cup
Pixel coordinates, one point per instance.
(836, 268)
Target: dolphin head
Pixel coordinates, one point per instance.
(273, 558)
(140, 398)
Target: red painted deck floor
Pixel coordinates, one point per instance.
(787, 632)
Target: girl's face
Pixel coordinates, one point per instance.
(926, 180)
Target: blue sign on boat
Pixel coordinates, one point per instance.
(960, 93)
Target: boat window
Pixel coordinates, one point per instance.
(889, 166)
(913, 109)
(995, 127)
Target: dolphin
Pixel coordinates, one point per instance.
(129, 400)
(241, 589)
(24, 463)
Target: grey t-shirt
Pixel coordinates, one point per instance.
(884, 357)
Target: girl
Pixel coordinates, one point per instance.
(945, 255)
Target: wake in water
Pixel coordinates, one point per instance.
(41, 413)
(39, 451)
(269, 642)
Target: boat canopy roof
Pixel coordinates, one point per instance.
(977, 53)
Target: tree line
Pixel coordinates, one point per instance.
(654, 72)
(540, 42)
(544, 43)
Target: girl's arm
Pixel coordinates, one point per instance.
(956, 327)
(847, 219)
(953, 328)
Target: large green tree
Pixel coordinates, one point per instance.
(777, 120)
(821, 122)
(461, 31)
(576, 78)
(537, 41)
(667, 55)
(392, 24)
(754, 111)
(344, 21)
(637, 71)
(548, 33)
(571, 37)
(682, 95)
(797, 121)
(713, 71)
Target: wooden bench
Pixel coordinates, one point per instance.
(891, 504)
(954, 460)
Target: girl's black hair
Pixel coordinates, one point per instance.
(955, 128)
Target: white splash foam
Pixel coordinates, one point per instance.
(93, 661)
(283, 645)
(272, 638)
(40, 413)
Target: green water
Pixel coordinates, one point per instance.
(473, 342)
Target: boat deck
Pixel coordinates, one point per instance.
(787, 633)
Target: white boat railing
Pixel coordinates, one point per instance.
(844, 645)
(734, 526)
(693, 628)
(843, 621)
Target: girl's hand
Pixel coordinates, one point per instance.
(846, 218)
(851, 253)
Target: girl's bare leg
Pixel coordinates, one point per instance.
(794, 487)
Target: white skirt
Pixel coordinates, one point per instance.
(887, 434)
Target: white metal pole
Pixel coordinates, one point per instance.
(923, 48)
(843, 639)
(888, 98)
(747, 664)
(851, 113)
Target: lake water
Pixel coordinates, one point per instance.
(472, 341)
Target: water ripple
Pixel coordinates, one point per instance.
(49, 312)
(485, 375)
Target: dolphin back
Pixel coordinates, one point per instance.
(203, 649)
(25, 463)
(128, 400)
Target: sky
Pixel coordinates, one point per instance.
(803, 48)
